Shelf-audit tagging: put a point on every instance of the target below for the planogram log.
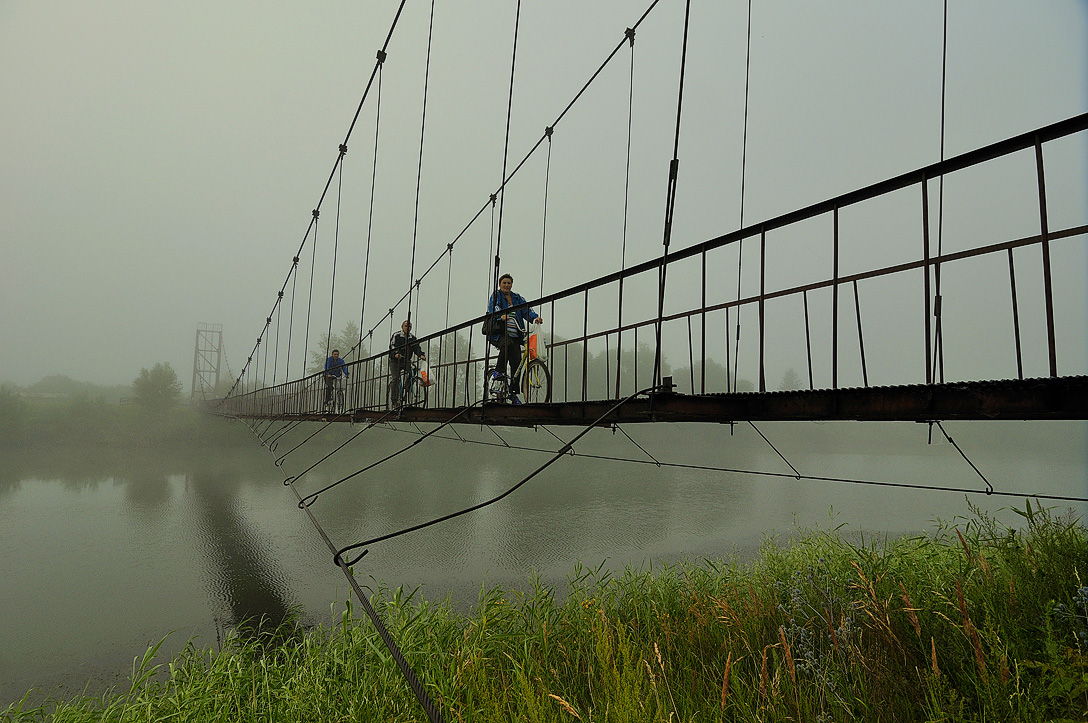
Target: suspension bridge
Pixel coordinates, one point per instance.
(825, 315)
(879, 309)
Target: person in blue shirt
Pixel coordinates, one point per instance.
(334, 367)
(509, 338)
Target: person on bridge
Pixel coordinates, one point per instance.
(334, 367)
(508, 338)
(402, 346)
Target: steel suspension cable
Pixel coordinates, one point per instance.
(743, 179)
(336, 242)
(310, 303)
(630, 34)
(938, 311)
(670, 203)
(373, 182)
(328, 183)
(419, 168)
(544, 220)
(506, 142)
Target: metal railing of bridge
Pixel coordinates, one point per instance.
(610, 323)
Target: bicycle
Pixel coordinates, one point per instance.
(536, 379)
(335, 403)
(412, 384)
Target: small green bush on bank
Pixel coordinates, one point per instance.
(978, 622)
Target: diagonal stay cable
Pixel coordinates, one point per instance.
(338, 557)
(563, 441)
(313, 496)
(625, 434)
(989, 487)
(795, 472)
(291, 480)
(762, 473)
(319, 430)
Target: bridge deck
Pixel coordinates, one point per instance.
(1018, 399)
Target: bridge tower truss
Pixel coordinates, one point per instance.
(207, 360)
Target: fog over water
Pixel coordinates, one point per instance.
(106, 554)
(159, 168)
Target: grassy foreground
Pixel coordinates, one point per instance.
(978, 622)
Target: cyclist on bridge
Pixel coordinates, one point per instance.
(334, 367)
(402, 346)
(508, 338)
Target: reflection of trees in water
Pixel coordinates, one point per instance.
(243, 573)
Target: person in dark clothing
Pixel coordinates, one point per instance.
(334, 367)
(402, 347)
(508, 339)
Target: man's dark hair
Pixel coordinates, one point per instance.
(335, 351)
(506, 276)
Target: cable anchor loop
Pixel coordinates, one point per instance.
(629, 33)
(381, 56)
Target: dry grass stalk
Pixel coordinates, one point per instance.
(911, 611)
(1003, 669)
(933, 656)
(763, 675)
(966, 549)
(831, 628)
(565, 705)
(972, 633)
(789, 655)
(725, 678)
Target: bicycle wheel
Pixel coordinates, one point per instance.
(416, 394)
(536, 382)
(340, 401)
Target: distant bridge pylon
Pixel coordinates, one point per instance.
(207, 361)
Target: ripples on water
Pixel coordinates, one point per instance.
(102, 559)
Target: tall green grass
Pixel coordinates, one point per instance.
(978, 622)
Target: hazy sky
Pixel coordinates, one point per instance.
(159, 161)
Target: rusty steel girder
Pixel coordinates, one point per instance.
(1050, 398)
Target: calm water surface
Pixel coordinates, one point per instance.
(101, 562)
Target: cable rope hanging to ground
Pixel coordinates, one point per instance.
(743, 179)
(670, 202)
(406, 671)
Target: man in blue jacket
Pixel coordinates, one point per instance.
(508, 339)
(334, 367)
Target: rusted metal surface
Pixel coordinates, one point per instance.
(1016, 399)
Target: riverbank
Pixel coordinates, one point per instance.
(976, 622)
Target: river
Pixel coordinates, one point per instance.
(103, 558)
